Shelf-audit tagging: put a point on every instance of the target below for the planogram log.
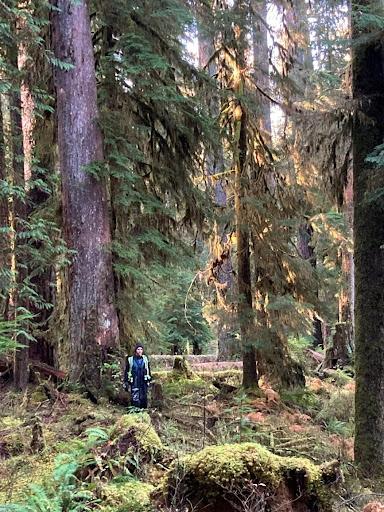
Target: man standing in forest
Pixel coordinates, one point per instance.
(137, 377)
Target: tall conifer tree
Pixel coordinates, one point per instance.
(93, 324)
(368, 184)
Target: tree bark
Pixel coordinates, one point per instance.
(245, 310)
(272, 355)
(21, 369)
(226, 321)
(93, 325)
(368, 183)
(307, 252)
(304, 54)
(347, 299)
(17, 211)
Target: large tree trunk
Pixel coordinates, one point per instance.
(341, 347)
(273, 359)
(17, 211)
(368, 132)
(220, 246)
(302, 35)
(346, 298)
(93, 326)
(245, 310)
(298, 26)
(307, 252)
(21, 370)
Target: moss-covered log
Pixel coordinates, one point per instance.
(141, 430)
(130, 445)
(218, 477)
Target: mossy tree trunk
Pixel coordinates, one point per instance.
(241, 158)
(368, 133)
(272, 355)
(93, 325)
(223, 272)
(306, 251)
(302, 66)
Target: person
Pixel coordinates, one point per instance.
(137, 377)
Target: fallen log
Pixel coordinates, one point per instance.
(47, 370)
(218, 478)
(316, 356)
(36, 367)
(224, 387)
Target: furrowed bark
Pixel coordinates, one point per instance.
(368, 184)
(93, 325)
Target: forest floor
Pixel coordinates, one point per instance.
(71, 448)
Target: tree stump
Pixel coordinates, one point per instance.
(181, 368)
(338, 352)
(157, 398)
(37, 442)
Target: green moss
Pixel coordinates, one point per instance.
(71, 445)
(10, 422)
(340, 406)
(132, 496)
(141, 429)
(18, 473)
(215, 468)
(219, 464)
(38, 396)
(180, 387)
(161, 375)
(182, 368)
(128, 445)
(13, 439)
(303, 398)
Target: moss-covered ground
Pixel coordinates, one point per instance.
(218, 445)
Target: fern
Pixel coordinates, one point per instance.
(11, 330)
(97, 435)
(377, 156)
(63, 491)
(64, 66)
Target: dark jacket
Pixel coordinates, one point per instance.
(129, 373)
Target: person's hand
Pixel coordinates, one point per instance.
(125, 386)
